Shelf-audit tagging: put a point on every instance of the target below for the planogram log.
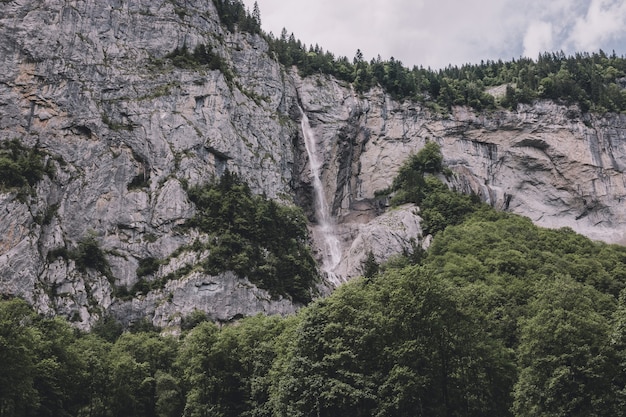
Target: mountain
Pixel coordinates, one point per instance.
(112, 112)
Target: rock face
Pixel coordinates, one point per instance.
(87, 83)
(90, 85)
(551, 163)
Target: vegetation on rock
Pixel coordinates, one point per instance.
(499, 318)
(416, 183)
(234, 16)
(21, 167)
(255, 237)
(201, 57)
(592, 81)
(86, 255)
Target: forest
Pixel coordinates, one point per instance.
(497, 317)
(595, 82)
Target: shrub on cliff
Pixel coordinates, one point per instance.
(416, 183)
(255, 237)
(21, 167)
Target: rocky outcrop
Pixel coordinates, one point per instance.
(235, 297)
(397, 231)
(550, 162)
(90, 85)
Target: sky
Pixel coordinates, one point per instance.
(438, 33)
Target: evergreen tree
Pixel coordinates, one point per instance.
(563, 366)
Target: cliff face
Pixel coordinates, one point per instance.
(85, 81)
(89, 85)
(549, 162)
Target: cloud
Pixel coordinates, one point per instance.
(605, 20)
(538, 38)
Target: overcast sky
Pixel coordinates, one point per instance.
(435, 33)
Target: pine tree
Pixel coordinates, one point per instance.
(256, 14)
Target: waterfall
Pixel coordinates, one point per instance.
(331, 251)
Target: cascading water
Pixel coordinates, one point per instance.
(331, 251)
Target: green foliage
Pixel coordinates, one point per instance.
(618, 344)
(48, 214)
(88, 255)
(201, 57)
(429, 159)
(590, 80)
(21, 168)
(564, 360)
(255, 237)
(39, 373)
(234, 16)
(50, 369)
(193, 319)
(18, 354)
(394, 346)
(227, 372)
(511, 246)
(148, 266)
(410, 183)
(57, 374)
(443, 207)
(439, 205)
(410, 178)
(500, 317)
(370, 266)
(95, 375)
(107, 328)
(137, 360)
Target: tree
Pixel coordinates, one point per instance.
(169, 396)
(358, 57)
(395, 345)
(618, 344)
(130, 386)
(18, 356)
(370, 266)
(564, 370)
(88, 255)
(198, 361)
(95, 375)
(58, 369)
(137, 358)
(256, 14)
(255, 237)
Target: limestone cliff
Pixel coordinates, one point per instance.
(552, 163)
(90, 84)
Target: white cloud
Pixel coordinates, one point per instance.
(538, 38)
(603, 21)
